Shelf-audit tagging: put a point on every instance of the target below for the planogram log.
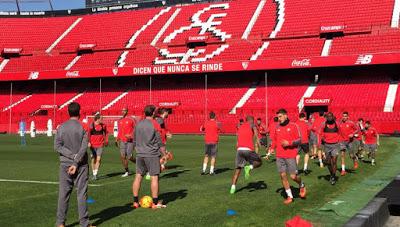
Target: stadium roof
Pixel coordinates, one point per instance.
(40, 5)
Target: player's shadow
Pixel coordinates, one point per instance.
(173, 166)
(325, 177)
(174, 174)
(110, 175)
(172, 196)
(254, 186)
(222, 170)
(302, 172)
(107, 214)
(366, 161)
(295, 192)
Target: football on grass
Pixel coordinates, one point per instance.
(146, 201)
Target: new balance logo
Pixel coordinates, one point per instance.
(364, 59)
(33, 76)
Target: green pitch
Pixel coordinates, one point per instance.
(192, 199)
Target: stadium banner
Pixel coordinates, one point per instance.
(268, 64)
(11, 51)
(316, 101)
(169, 104)
(332, 28)
(101, 6)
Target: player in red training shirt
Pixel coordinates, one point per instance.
(286, 141)
(124, 140)
(347, 130)
(330, 138)
(262, 132)
(246, 137)
(211, 130)
(315, 141)
(371, 140)
(162, 115)
(98, 139)
(304, 128)
(358, 140)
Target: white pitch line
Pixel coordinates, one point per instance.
(40, 182)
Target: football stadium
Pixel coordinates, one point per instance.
(200, 113)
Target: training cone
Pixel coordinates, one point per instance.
(90, 200)
(231, 212)
(297, 221)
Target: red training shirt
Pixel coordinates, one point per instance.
(98, 135)
(245, 136)
(371, 136)
(211, 130)
(305, 129)
(126, 127)
(289, 132)
(346, 129)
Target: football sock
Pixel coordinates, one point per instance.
(211, 169)
(204, 167)
(320, 161)
(251, 167)
(305, 166)
(343, 168)
(233, 186)
(289, 193)
(135, 199)
(95, 172)
(126, 170)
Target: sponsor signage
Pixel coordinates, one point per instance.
(169, 104)
(332, 28)
(165, 69)
(86, 46)
(12, 50)
(316, 101)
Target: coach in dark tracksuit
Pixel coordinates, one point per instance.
(71, 143)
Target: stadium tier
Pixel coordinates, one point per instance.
(231, 37)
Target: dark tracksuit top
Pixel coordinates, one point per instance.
(147, 139)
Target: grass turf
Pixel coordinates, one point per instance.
(192, 200)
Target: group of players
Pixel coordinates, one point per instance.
(326, 136)
(323, 137)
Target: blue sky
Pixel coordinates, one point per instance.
(39, 5)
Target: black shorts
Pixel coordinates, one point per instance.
(211, 150)
(305, 147)
(244, 156)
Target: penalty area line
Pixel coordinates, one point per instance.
(40, 182)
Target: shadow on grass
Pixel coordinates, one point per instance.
(107, 214)
(172, 196)
(295, 192)
(254, 186)
(222, 170)
(174, 174)
(173, 166)
(325, 177)
(110, 175)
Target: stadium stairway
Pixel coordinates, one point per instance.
(119, 97)
(244, 98)
(70, 100)
(391, 97)
(396, 14)
(253, 19)
(307, 94)
(3, 64)
(17, 103)
(65, 33)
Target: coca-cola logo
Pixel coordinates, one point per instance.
(301, 63)
(72, 74)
